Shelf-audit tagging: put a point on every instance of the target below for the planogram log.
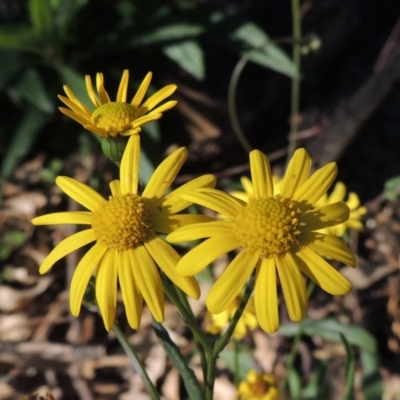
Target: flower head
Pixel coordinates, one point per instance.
(258, 387)
(278, 234)
(124, 229)
(353, 202)
(216, 323)
(113, 118)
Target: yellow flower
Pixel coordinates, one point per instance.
(113, 118)
(216, 323)
(275, 233)
(249, 189)
(124, 229)
(353, 202)
(258, 387)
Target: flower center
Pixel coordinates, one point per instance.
(114, 117)
(270, 226)
(122, 222)
(259, 387)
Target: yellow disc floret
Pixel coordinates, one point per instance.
(122, 222)
(269, 226)
(114, 117)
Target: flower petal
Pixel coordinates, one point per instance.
(322, 273)
(82, 275)
(173, 201)
(68, 245)
(261, 175)
(104, 98)
(231, 282)
(132, 298)
(138, 98)
(164, 107)
(157, 97)
(115, 187)
(167, 259)
(324, 217)
(148, 281)
(332, 247)
(106, 287)
(129, 169)
(67, 217)
(317, 185)
(76, 117)
(293, 287)
(77, 108)
(167, 223)
(296, 174)
(145, 119)
(123, 87)
(202, 230)
(266, 296)
(203, 254)
(165, 174)
(247, 185)
(92, 95)
(83, 194)
(221, 202)
(338, 193)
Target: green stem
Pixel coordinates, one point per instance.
(295, 95)
(225, 338)
(136, 362)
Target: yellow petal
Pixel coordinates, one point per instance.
(141, 91)
(200, 231)
(203, 254)
(158, 97)
(324, 217)
(145, 119)
(91, 93)
(133, 300)
(76, 117)
(231, 282)
(173, 201)
(293, 287)
(148, 281)
(82, 275)
(106, 287)
(266, 296)
(296, 174)
(98, 131)
(338, 193)
(76, 107)
(332, 247)
(221, 202)
(68, 245)
(165, 174)
(123, 87)
(164, 107)
(68, 217)
(317, 185)
(83, 194)
(129, 169)
(167, 259)
(104, 98)
(167, 223)
(261, 175)
(322, 273)
(115, 187)
(247, 185)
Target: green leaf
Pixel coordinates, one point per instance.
(392, 188)
(316, 387)
(250, 37)
(76, 82)
(10, 241)
(350, 370)
(31, 88)
(32, 122)
(189, 378)
(19, 38)
(176, 31)
(146, 168)
(189, 56)
(294, 383)
(65, 11)
(41, 17)
(246, 362)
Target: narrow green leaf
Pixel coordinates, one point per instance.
(350, 370)
(32, 122)
(246, 362)
(41, 16)
(294, 383)
(31, 88)
(189, 378)
(189, 56)
(65, 11)
(18, 38)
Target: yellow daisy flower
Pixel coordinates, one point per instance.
(124, 229)
(258, 387)
(249, 189)
(217, 323)
(113, 118)
(353, 202)
(275, 233)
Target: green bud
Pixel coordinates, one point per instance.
(113, 147)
